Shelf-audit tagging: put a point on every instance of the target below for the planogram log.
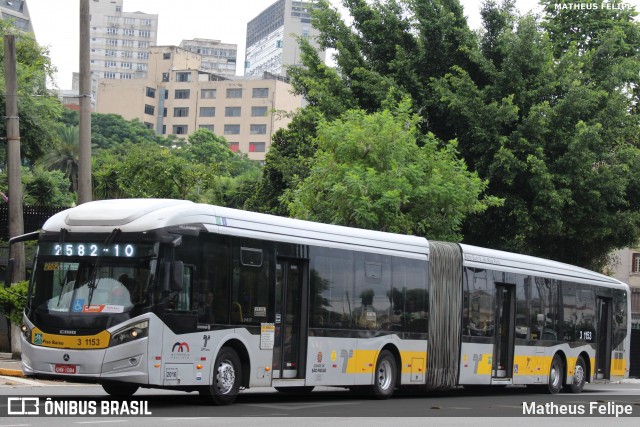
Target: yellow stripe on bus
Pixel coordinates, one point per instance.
(100, 340)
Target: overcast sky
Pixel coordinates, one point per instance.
(225, 20)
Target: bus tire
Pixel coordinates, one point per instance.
(120, 389)
(579, 377)
(225, 381)
(384, 382)
(556, 375)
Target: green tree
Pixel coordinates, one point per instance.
(63, 156)
(369, 172)
(37, 106)
(558, 144)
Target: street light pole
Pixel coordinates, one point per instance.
(84, 147)
(16, 220)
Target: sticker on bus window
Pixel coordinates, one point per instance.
(260, 312)
(51, 266)
(103, 308)
(267, 336)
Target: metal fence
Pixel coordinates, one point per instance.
(34, 217)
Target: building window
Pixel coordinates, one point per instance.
(180, 129)
(109, 75)
(129, 32)
(260, 92)
(126, 65)
(145, 22)
(207, 127)
(635, 263)
(110, 52)
(151, 92)
(183, 77)
(258, 129)
(234, 93)
(232, 111)
(130, 21)
(142, 67)
(112, 31)
(256, 147)
(165, 77)
(207, 93)
(143, 44)
(182, 94)
(231, 129)
(127, 43)
(112, 42)
(207, 111)
(258, 111)
(127, 54)
(181, 112)
(126, 76)
(118, 8)
(110, 64)
(149, 109)
(166, 55)
(234, 146)
(144, 33)
(148, 125)
(143, 55)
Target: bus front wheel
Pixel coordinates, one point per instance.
(225, 381)
(556, 375)
(579, 377)
(384, 382)
(119, 389)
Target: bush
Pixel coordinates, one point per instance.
(12, 301)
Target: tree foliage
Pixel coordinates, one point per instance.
(544, 110)
(369, 172)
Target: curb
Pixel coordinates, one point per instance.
(11, 372)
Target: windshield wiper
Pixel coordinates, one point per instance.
(91, 283)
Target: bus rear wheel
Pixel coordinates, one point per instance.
(119, 389)
(556, 375)
(225, 381)
(384, 382)
(579, 377)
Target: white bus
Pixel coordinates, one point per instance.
(172, 294)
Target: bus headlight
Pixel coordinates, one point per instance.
(130, 333)
(26, 332)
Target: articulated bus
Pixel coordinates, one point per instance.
(177, 295)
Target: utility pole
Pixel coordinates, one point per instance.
(84, 147)
(16, 220)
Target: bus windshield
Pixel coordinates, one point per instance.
(89, 285)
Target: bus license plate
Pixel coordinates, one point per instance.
(171, 374)
(65, 369)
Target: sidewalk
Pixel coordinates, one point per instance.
(10, 367)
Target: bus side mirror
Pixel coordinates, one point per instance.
(177, 276)
(8, 273)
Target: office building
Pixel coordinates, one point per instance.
(271, 43)
(18, 12)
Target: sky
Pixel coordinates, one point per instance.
(226, 20)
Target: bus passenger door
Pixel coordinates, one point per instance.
(290, 331)
(504, 331)
(603, 339)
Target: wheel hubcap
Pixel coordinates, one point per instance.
(384, 375)
(225, 377)
(555, 376)
(578, 375)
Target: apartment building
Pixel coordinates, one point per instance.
(179, 96)
(271, 43)
(18, 12)
(120, 42)
(217, 57)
